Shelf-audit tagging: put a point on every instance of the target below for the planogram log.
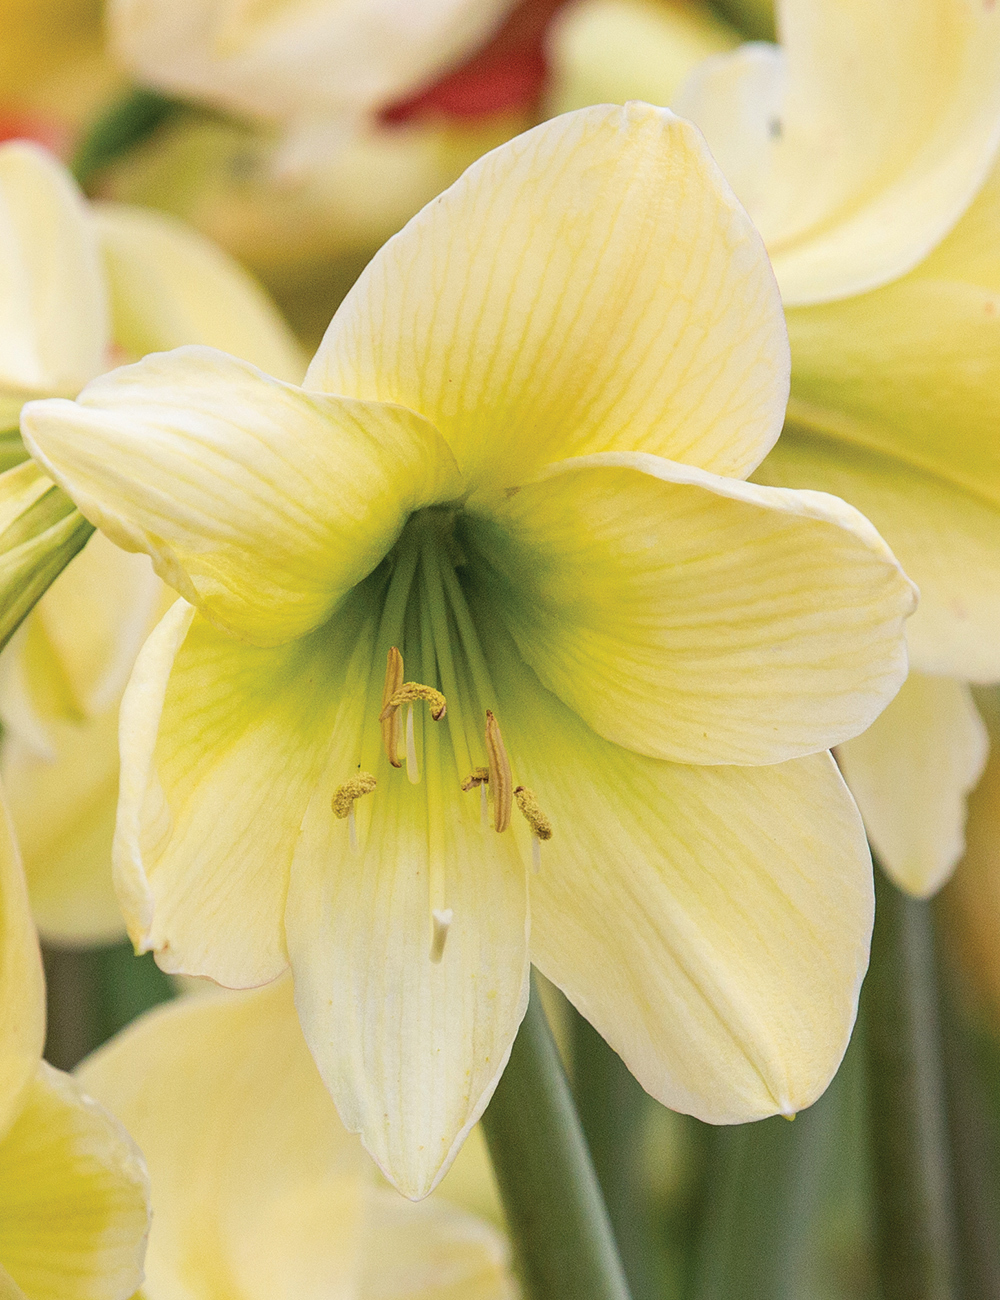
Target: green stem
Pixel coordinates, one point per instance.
(613, 1109)
(915, 1232)
(557, 1219)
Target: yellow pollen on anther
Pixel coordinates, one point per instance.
(390, 724)
(540, 825)
(500, 780)
(344, 795)
(441, 919)
(478, 776)
(410, 691)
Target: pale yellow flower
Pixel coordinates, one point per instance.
(83, 286)
(863, 149)
(258, 1191)
(73, 1191)
(518, 458)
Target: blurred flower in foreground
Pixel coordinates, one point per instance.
(258, 1191)
(310, 233)
(475, 474)
(86, 287)
(861, 149)
(73, 1193)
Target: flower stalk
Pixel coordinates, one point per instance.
(915, 1231)
(550, 1192)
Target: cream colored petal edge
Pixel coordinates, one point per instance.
(169, 285)
(946, 537)
(257, 1187)
(696, 618)
(911, 772)
(411, 1049)
(53, 308)
(712, 922)
(590, 285)
(863, 149)
(222, 745)
(63, 807)
(259, 502)
(22, 986)
(73, 1197)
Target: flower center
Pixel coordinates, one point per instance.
(426, 624)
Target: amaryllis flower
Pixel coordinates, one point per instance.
(486, 652)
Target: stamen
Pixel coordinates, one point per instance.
(540, 825)
(410, 691)
(484, 805)
(478, 776)
(412, 771)
(441, 918)
(390, 724)
(344, 795)
(501, 781)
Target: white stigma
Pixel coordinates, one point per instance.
(441, 919)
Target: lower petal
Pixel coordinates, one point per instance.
(73, 1197)
(22, 986)
(910, 773)
(712, 923)
(410, 1048)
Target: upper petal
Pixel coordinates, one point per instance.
(590, 285)
(53, 308)
(74, 1197)
(860, 149)
(711, 922)
(169, 285)
(258, 501)
(911, 772)
(697, 618)
(22, 987)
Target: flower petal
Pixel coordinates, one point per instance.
(170, 285)
(910, 773)
(73, 1197)
(696, 618)
(22, 987)
(606, 291)
(260, 502)
(258, 1190)
(711, 922)
(946, 535)
(53, 311)
(257, 1187)
(63, 806)
(222, 744)
(857, 151)
(411, 1049)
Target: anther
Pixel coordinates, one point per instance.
(500, 780)
(532, 814)
(390, 724)
(541, 827)
(344, 795)
(478, 776)
(410, 691)
(441, 919)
